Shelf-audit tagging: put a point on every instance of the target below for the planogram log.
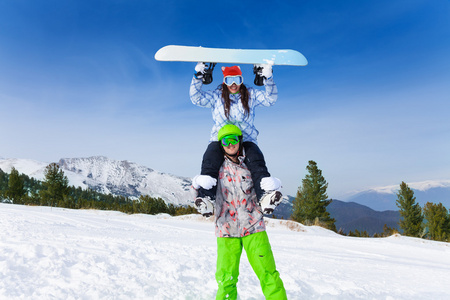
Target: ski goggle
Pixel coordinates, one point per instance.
(230, 139)
(229, 80)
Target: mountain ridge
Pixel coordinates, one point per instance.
(106, 175)
(385, 198)
(349, 216)
(366, 211)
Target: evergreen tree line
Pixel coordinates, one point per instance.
(309, 208)
(55, 191)
(432, 221)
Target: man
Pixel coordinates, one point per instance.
(239, 221)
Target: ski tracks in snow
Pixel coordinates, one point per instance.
(57, 255)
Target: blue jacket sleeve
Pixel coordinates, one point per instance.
(267, 97)
(198, 96)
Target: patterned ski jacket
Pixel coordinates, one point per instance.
(213, 99)
(237, 213)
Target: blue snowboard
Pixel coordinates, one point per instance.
(232, 56)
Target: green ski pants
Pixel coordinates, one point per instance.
(260, 256)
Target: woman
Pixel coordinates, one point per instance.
(234, 103)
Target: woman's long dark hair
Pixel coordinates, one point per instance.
(243, 91)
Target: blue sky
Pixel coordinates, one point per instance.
(78, 78)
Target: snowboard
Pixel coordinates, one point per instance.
(286, 57)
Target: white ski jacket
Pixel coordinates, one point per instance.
(213, 99)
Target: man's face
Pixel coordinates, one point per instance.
(231, 149)
(230, 144)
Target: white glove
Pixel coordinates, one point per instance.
(266, 70)
(200, 67)
(270, 201)
(204, 181)
(204, 206)
(270, 184)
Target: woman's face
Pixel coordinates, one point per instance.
(233, 82)
(234, 88)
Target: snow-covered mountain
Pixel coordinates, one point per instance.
(384, 198)
(130, 179)
(31, 168)
(111, 176)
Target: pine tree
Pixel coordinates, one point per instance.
(411, 221)
(3, 184)
(438, 221)
(56, 185)
(16, 190)
(310, 204)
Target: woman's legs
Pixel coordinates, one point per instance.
(211, 163)
(254, 159)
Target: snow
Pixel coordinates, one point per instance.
(419, 186)
(429, 184)
(30, 167)
(36, 169)
(55, 253)
(111, 176)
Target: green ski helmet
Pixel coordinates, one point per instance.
(228, 129)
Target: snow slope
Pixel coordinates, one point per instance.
(54, 253)
(31, 168)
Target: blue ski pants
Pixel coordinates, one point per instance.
(260, 256)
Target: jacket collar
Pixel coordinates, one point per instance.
(241, 158)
